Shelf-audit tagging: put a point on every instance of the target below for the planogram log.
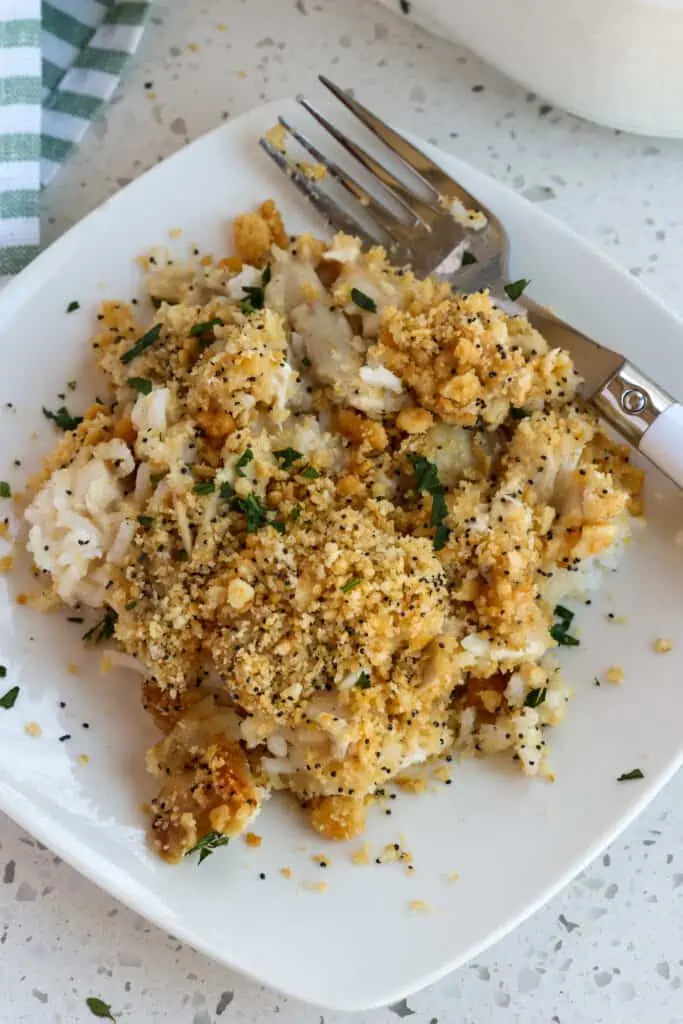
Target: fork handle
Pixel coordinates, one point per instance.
(662, 443)
(642, 412)
(646, 416)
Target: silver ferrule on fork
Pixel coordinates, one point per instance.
(631, 403)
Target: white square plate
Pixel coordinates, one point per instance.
(513, 841)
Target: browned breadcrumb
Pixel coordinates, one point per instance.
(314, 886)
(252, 839)
(615, 674)
(286, 872)
(663, 645)
(419, 907)
(469, 362)
(362, 854)
(254, 233)
(33, 729)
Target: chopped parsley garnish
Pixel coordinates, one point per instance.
(627, 776)
(559, 631)
(517, 414)
(295, 514)
(140, 384)
(306, 362)
(363, 300)
(5, 489)
(310, 473)
(244, 460)
(183, 555)
(71, 384)
(203, 328)
(535, 697)
(427, 479)
(278, 525)
(350, 584)
(363, 681)
(131, 604)
(73, 306)
(441, 537)
(75, 618)
(99, 1008)
(253, 509)
(514, 289)
(207, 844)
(3, 671)
(287, 457)
(9, 699)
(226, 490)
(142, 343)
(468, 258)
(156, 478)
(102, 630)
(146, 520)
(62, 418)
(204, 487)
(255, 293)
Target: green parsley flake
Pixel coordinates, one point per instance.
(204, 487)
(363, 301)
(10, 698)
(243, 461)
(287, 457)
(535, 697)
(427, 479)
(559, 630)
(73, 306)
(140, 384)
(146, 521)
(517, 414)
(514, 289)
(62, 418)
(208, 325)
(254, 511)
(3, 671)
(295, 514)
(310, 473)
(628, 776)
(207, 844)
(142, 344)
(351, 584)
(226, 490)
(102, 630)
(5, 489)
(468, 258)
(363, 681)
(99, 1008)
(131, 604)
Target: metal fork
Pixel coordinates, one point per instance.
(448, 233)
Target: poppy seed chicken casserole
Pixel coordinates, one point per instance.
(329, 511)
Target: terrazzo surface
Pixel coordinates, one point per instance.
(610, 947)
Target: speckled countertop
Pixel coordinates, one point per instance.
(610, 947)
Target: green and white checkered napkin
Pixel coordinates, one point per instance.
(59, 62)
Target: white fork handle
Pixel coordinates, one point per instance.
(646, 416)
(662, 442)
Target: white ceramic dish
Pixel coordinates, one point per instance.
(514, 842)
(617, 62)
